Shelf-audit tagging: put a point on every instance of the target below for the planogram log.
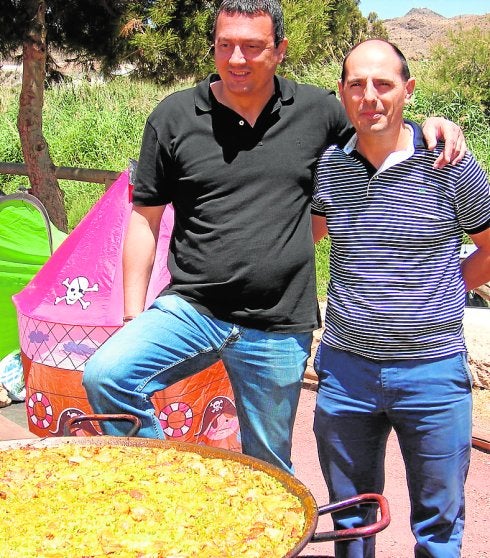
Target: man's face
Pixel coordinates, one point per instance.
(245, 55)
(374, 92)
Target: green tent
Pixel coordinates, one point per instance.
(27, 240)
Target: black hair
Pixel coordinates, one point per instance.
(405, 71)
(254, 7)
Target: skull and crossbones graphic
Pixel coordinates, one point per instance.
(216, 406)
(75, 291)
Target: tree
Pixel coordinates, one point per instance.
(88, 30)
(170, 40)
(347, 26)
(29, 123)
(376, 28)
(308, 33)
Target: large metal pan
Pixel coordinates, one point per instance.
(293, 485)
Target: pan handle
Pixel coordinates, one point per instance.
(355, 532)
(68, 429)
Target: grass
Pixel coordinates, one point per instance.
(89, 126)
(322, 260)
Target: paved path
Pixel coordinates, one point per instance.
(13, 423)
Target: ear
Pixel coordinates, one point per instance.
(409, 89)
(341, 90)
(282, 48)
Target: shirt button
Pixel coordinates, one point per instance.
(242, 122)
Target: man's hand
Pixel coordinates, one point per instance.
(437, 128)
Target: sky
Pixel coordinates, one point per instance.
(387, 9)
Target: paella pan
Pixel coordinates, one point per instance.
(131, 497)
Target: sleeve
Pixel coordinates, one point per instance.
(319, 184)
(316, 201)
(473, 198)
(151, 171)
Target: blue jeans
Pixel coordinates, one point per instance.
(172, 341)
(428, 404)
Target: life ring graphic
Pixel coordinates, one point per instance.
(39, 410)
(176, 419)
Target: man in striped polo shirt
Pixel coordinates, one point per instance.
(393, 353)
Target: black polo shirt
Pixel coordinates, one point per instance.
(242, 248)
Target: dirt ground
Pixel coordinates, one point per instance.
(481, 409)
(477, 335)
(396, 541)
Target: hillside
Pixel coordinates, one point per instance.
(418, 30)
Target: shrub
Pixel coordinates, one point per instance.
(460, 63)
(432, 99)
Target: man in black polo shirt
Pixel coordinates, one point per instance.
(235, 156)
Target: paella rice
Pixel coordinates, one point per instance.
(72, 501)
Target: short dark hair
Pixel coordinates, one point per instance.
(254, 7)
(405, 71)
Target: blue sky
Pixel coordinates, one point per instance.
(448, 8)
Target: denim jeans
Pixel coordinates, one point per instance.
(172, 341)
(428, 404)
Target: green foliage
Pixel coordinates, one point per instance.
(460, 63)
(97, 127)
(321, 31)
(306, 25)
(377, 30)
(10, 150)
(169, 40)
(347, 26)
(13, 22)
(322, 260)
(320, 74)
(86, 126)
(432, 99)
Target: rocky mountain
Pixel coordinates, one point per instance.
(417, 31)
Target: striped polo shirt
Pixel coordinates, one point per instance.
(396, 289)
